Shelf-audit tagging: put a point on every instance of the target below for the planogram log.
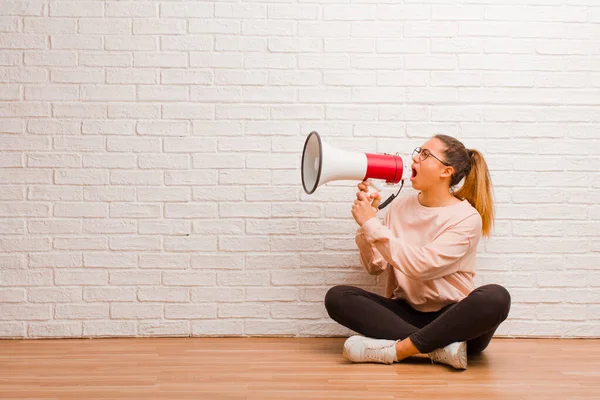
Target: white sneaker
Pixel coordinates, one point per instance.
(363, 349)
(455, 354)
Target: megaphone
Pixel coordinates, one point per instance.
(322, 163)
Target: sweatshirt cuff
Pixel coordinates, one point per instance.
(370, 228)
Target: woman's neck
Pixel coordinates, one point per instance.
(437, 198)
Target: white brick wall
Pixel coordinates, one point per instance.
(149, 155)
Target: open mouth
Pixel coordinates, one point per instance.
(414, 173)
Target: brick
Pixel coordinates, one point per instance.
(160, 60)
(16, 295)
(135, 243)
(76, 42)
(190, 178)
(16, 243)
(190, 243)
(254, 112)
(81, 177)
(54, 160)
(246, 310)
(138, 110)
(55, 260)
(54, 226)
(219, 161)
(105, 26)
(136, 177)
(219, 261)
(163, 328)
(11, 126)
(133, 277)
(186, 43)
(107, 93)
(81, 210)
(162, 261)
(216, 193)
(81, 311)
(162, 93)
(165, 227)
(197, 111)
(11, 160)
(186, 10)
(114, 193)
(109, 226)
(186, 76)
(240, 177)
(93, 294)
(237, 243)
(218, 294)
(240, 11)
(164, 161)
(163, 194)
(136, 43)
(108, 161)
(133, 210)
(214, 25)
(216, 94)
(249, 210)
(158, 26)
(135, 311)
(133, 144)
(24, 110)
(9, 261)
(189, 278)
(108, 328)
(109, 260)
(216, 60)
(167, 295)
(190, 311)
(130, 9)
(80, 243)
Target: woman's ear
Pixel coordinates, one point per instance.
(447, 172)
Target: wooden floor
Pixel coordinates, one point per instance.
(287, 368)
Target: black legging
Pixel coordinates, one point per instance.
(474, 319)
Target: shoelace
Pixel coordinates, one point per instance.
(375, 354)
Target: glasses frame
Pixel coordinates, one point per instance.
(419, 151)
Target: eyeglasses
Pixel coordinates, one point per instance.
(424, 153)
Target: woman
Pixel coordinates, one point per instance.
(427, 245)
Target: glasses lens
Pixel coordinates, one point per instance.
(424, 154)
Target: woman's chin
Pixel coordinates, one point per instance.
(414, 184)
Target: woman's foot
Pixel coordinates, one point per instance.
(455, 354)
(363, 349)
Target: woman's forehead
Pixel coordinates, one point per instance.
(433, 145)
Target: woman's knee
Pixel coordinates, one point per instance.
(497, 299)
(334, 298)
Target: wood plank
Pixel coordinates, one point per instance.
(287, 368)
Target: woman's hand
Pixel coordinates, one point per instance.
(375, 196)
(365, 207)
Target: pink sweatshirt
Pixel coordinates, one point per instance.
(429, 252)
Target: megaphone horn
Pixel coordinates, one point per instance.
(322, 163)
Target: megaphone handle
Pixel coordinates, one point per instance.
(375, 185)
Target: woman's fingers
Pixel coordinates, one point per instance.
(376, 201)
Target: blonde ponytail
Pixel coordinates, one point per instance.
(477, 187)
